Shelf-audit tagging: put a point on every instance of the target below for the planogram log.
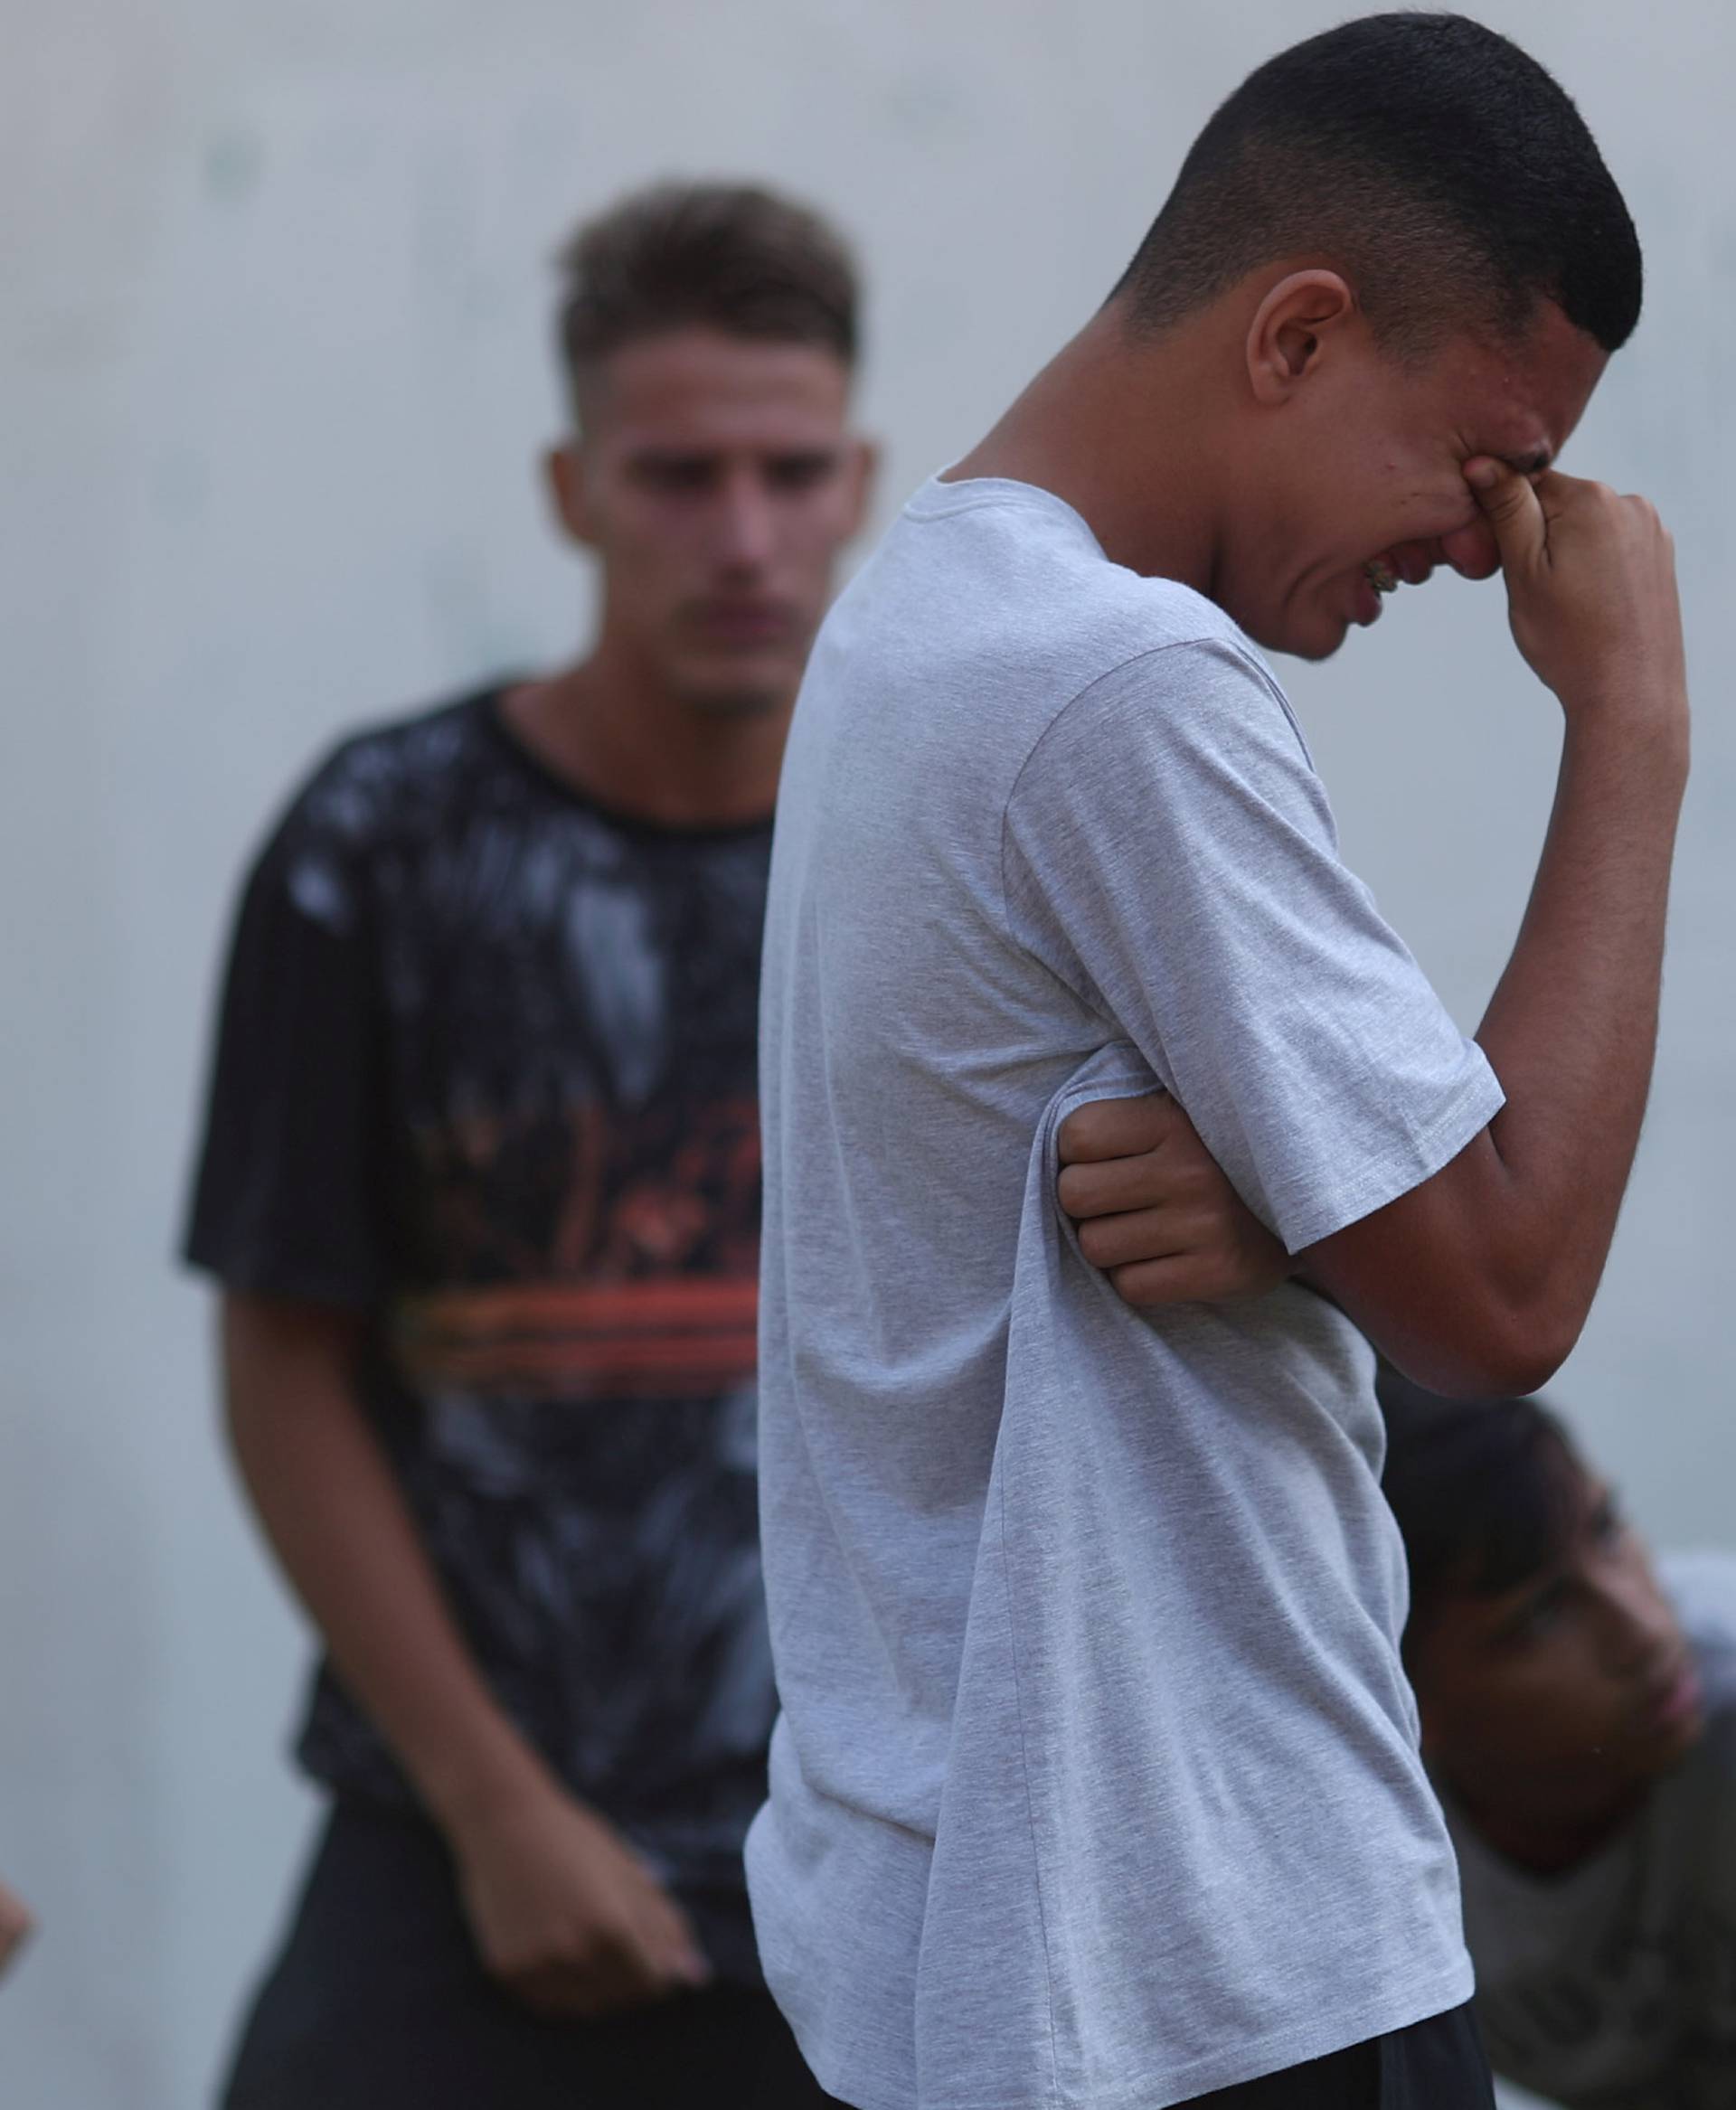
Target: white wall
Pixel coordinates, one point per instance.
(272, 355)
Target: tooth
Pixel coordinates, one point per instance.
(1381, 577)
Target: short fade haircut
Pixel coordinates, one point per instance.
(1484, 1491)
(728, 257)
(1450, 175)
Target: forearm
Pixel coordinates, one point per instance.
(1572, 1028)
(1479, 1279)
(329, 1504)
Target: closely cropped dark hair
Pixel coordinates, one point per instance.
(1484, 1491)
(731, 257)
(1438, 165)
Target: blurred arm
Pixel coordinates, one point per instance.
(560, 1907)
(326, 1498)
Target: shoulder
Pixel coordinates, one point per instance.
(1005, 582)
(378, 788)
(1192, 701)
(383, 774)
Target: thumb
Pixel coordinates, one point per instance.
(1510, 504)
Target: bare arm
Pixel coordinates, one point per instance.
(561, 1910)
(1481, 1278)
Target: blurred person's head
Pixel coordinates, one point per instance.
(709, 336)
(1552, 1678)
(1395, 248)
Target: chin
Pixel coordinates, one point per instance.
(739, 685)
(1318, 650)
(740, 698)
(1315, 641)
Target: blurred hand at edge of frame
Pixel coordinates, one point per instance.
(16, 1926)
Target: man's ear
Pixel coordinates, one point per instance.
(1295, 322)
(563, 472)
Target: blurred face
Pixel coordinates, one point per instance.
(716, 482)
(1360, 485)
(1576, 1684)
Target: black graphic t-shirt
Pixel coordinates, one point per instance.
(487, 1073)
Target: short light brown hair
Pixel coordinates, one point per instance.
(730, 257)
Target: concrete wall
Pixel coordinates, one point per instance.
(272, 357)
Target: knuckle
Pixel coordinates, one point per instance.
(1225, 1276)
(1198, 1182)
(1073, 1136)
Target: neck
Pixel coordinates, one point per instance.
(1127, 432)
(613, 728)
(1553, 1825)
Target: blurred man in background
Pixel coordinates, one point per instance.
(480, 1184)
(1578, 1718)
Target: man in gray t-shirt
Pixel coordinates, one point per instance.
(1097, 1782)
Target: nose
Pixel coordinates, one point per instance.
(745, 526)
(1471, 549)
(1640, 1636)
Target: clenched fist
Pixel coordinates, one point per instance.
(1591, 579)
(1153, 1210)
(566, 1915)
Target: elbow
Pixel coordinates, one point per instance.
(1513, 1368)
(1503, 1350)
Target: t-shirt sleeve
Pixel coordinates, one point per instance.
(1169, 853)
(287, 1196)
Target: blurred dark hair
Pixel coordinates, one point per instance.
(731, 257)
(1485, 1490)
(1439, 165)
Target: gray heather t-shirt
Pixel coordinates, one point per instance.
(1097, 1782)
(1614, 1987)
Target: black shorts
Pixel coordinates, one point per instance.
(377, 2001)
(1437, 2064)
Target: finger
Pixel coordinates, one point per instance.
(1120, 1184)
(556, 1990)
(1137, 1234)
(1110, 1128)
(678, 1958)
(1178, 1278)
(1509, 502)
(608, 1981)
